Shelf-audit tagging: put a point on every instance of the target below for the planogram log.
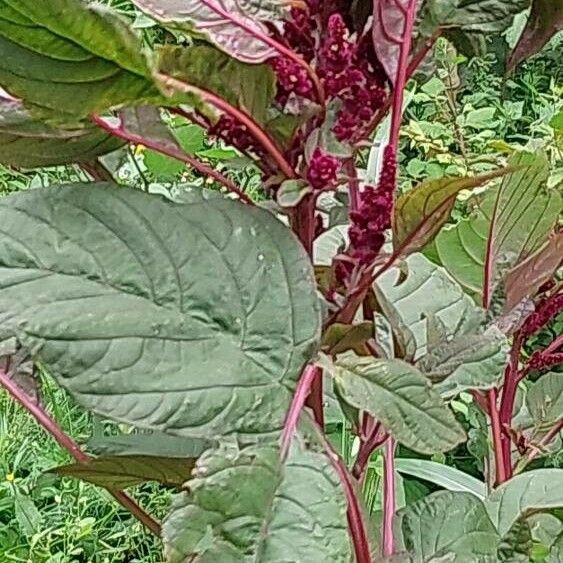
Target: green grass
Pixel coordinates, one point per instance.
(47, 519)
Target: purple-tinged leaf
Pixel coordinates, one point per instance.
(389, 30)
(525, 279)
(235, 26)
(545, 20)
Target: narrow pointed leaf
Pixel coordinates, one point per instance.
(445, 476)
(448, 526)
(28, 143)
(155, 312)
(66, 58)
(544, 21)
(540, 489)
(525, 279)
(421, 212)
(235, 27)
(510, 224)
(401, 398)
(120, 472)
(153, 444)
(246, 505)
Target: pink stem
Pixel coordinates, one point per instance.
(389, 500)
(374, 441)
(402, 75)
(355, 519)
(555, 345)
(497, 438)
(66, 442)
(306, 381)
(261, 136)
(281, 49)
(122, 133)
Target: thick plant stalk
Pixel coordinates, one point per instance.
(500, 465)
(244, 118)
(122, 133)
(389, 500)
(65, 441)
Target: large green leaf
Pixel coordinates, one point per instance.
(192, 317)
(442, 475)
(70, 58)
(544, 400)
(448, 526)
(418, 290)
(232, 25)
(536, 490)
(544, 21)
(509, 225)
(401, 398)
(516, 545)
(246, 505)
(245, 86)
(28, 143)
(120, 472)
(556, 550)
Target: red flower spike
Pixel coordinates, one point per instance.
(323, 170)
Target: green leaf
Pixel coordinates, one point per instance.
(485, 16)
(541, 489)
(425, 290)
(28, 143)
(468, 361)
(544, 21)
(448, 526)
(245, 86)
(339, 337)
(480, 118)
(442, 475)
(149, 444)
(421, 212)
(556, 551)
(192, 317)
(120, 472)
(28, 517)
(509, 225)
(246, 505)
(329, 244)
(231, 25)
(401, 398)
(291, 192)
(544, 400)
(67, 59)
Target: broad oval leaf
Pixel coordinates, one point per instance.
(509, 225)
(448, 526)
(420, 213)
(535, 490)
(69, 58)
(401, 398)
(28, 143)
(246, 505)
(544, 400)
(235, 26)
(193, 318)
(120, 472)
(445, 476)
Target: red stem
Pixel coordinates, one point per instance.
(497, 438)
(260, 135)
(353, 184)
(66, 442)
(122, 133)
(355, 519)
(536, 450)
(389, 501)
(373, 441)
(281, 49)
(304, 386)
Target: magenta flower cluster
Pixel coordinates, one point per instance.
(322, 171)
(235, 133)
(546, 310)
